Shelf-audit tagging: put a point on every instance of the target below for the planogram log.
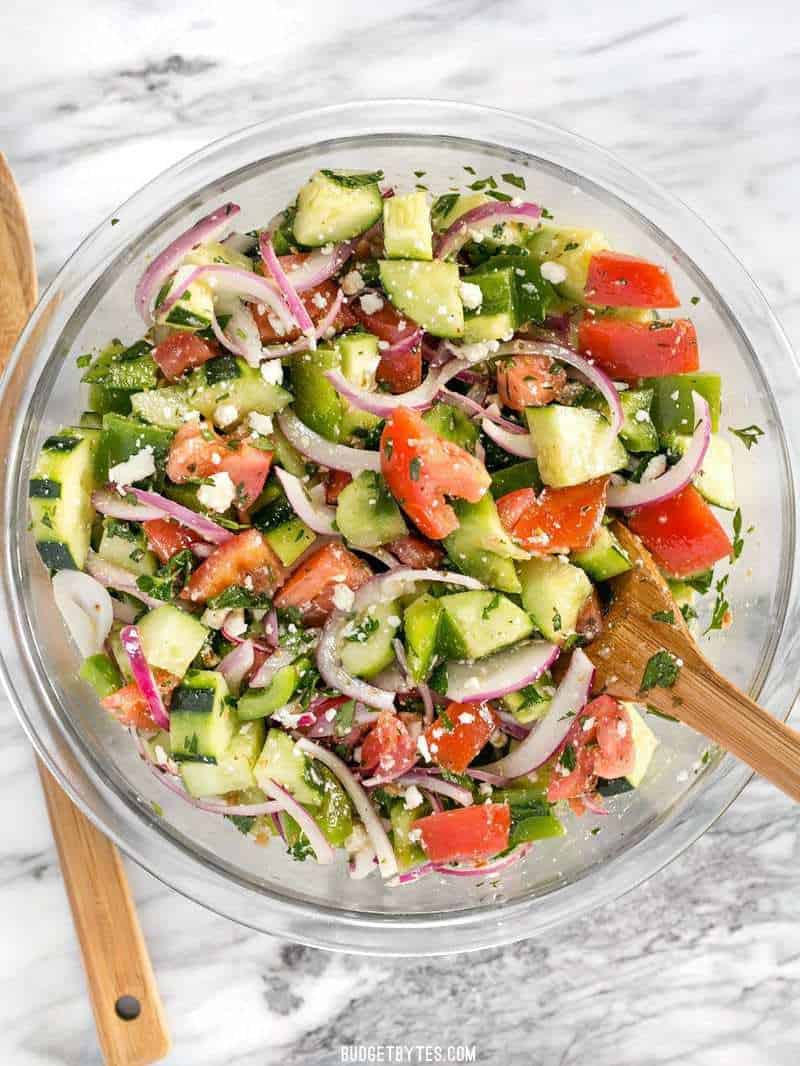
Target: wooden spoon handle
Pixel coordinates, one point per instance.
(130, 1020)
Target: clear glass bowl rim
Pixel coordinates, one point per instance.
(142, 838)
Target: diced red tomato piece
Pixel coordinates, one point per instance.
(311, 587)
(628, 351)
(198, 452)
(388, 324)
(602, 744)
(682, 533)
(335, 482)
(557, 520)
(166, 537)
(459, 734)
(529, 381)
(421, 469)
(248, 468)
(469, 834)
(246, 559)
(416, 552)
(130, 707)
(182, 351)
(400, 371)
(617, 280)
(614, 756)
(388, 750)
(316, 301)
(576, 782)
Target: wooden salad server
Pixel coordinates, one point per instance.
(130, 1020)
(643, 622)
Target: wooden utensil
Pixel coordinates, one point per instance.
(127, 1008)
(642, 621)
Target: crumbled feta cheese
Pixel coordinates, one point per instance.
(260, 423)
(485, 788)
(343, 597)
(413, 798)
(214, 619)
(288, 715)
(319, 300)
(477, 352)
(422, 747)
(272, 371)
(138, 467)
(235, 624)
(371, 303)
(219, 495)
(554, 272)
(415, 835)
(393, 621)
(674, 395)
(465, 718)
(226, 414)
(277, 324)
(160, 754)
(352, 283)
(642, 416)
(471, 295)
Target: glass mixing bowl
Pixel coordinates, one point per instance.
(91, 300)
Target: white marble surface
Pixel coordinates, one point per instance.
(702, 964)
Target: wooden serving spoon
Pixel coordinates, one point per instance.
(130, 1020)
(644, 621)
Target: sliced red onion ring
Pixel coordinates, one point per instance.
(593, 802)
(481, 774)
(481, 218)
(324, 327)
(110, 503)
(405, 344)
(233, 280)
(383, 403)
(317, 267)
(316, 448)
(677, 477)
(594, 375)
(387, 863)
(115, 577)
(503, 672)
(316, 838)
(207, 529)
(143, 675)
(548, 736)
(207, 229)
(293, 301)
(317, 516)
(236, 810)
(240, 335)
(86, 607)
(488, 869)
(237, 664)
(400, 582)
(436, 784)
(414, 874)
(266, 672)
(382, 555)
(477, 410)
(513, 443)
(427, 701)
(511, 726)
(271, 628)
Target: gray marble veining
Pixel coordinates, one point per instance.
(701, 965)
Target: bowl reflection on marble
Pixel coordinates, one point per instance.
(199, 854)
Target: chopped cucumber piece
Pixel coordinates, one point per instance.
(360, 355)
(171, 638)
(475, 624)
(421, 620)
(233, 771)
(645, 743)
(407, 851)
(407, 227)
(122, 544)
(165, 407)
(495, 318)
(281, 762)
(366, 512)
(60, 493)
(367, 645)
(201, 719)
(122, 438)
(672, 408)
(262, 702)
(638, 433)
(124, 369)
(570, 248)
(553, 593)
(336, 206)
(290, 539)
(213, 252)
(481, 547)
(194, 310)
(714, 481)
(232, 380)
(335, 816)
(427, 292)
(604, 558)
(102, 674)
(573, 444)
(316, 401)
(119, 654)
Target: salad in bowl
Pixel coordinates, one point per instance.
(332, 533)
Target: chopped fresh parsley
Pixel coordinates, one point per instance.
(738, 537)
(556, 621)
(83, 360)
(446, 722)
(570, 246)
(514, 179)
(172, 576)
(469, 169)
(243, 822)
(443, 205)
(419, 173)
(688, 612)
(700, 582)
(360, 633)
(503, 197)
(354, 181)
(238, 596)
(661, 714)
(748, 435)
(568, 760)
(546, 213)
(483, 183)
(661, 671)
(720, 615)
(695, 300)
(664, 616)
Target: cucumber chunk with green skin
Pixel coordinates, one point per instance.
(290, 540)
(231, 380)
(261, 702)
(167, 407)
(366, 513)
(524, 475)
(91, 420)
(672, 409)
(123, 544)
(645, 743)
(453, 424)
(316, 401)
(193, 310)
(233, 771)
(60, 493)
(481, 547)
(201, 719)
(102, 674)
(573, 444)
(427, 292)
(286, 455)
(280, 762)
(407, 227)
(714, 481)
(638, 432)
(212, 252)
(336, 206)
(171, 638)
(421, 620)
(127, 369)
(448, 208)
(553, 593)
(105, 401)
(570, 248)
(407, 851)
(475, 624)
(366, 647)
(360, 356)
(495, 318)
(604, 558)
(122, 438)
(335, 814)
